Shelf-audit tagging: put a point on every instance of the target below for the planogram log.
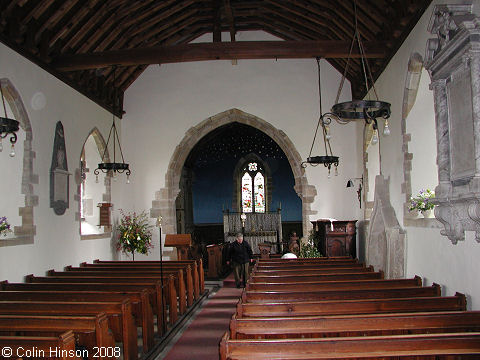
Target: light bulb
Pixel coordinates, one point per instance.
(96, 179)
(375, 137)
(1, 145)
(115, 177)
(128, 179)
(329, 176)
(336, 171)
(327, 132)
(386, 129)
(12, 152)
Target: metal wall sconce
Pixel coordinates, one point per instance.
(350, 183)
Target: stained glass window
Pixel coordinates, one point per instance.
(259, 185)
(247, 205)
(252, 167)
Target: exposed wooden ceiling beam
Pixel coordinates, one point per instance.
(230, 19)
(215, 51)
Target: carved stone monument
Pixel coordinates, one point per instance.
(385, 243)
(59, 175)
(453, 61)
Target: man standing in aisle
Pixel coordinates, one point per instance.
(240, 255)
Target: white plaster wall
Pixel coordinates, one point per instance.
(57, 242)
(430, 254)
(165, 101)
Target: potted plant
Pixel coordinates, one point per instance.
(134, 233)
(422, 203)
(4, 226)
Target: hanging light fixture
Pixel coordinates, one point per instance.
(8, 127)
(328, 160)
(113, 167)
(343, 113)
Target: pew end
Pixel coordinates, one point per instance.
(29, 278)
(382, 274)
(2, 284)
(438, 289)
(463, 300)
(224, 346)
(419, 280)
(68, 268)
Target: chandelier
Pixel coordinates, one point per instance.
(114, 167)
(328, 160)
(8, 127)
(365, 110)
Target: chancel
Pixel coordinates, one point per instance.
(342, 133)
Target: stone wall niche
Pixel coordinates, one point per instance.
(453, 62)
(385, 243)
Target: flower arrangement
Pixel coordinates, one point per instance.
(422, 202)
(134, 233)
(310, 248)
(4, 226)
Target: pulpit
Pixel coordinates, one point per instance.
(336, 237)
(182, 242)
(215, 260)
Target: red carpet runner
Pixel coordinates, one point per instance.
(200, 340)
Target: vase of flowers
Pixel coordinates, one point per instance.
(134, 233)
(423, 203)
(4, 226)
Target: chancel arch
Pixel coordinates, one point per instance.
(24, 232)
(164, 202)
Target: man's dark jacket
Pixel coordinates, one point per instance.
(240, 253)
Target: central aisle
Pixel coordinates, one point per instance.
(200, 340)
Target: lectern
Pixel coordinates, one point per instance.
(182, 242)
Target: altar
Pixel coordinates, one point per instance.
(259, 228)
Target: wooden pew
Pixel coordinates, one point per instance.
(91, 331)
(313, 260)
(354, 325)
(141, 307)
(129, 276)
(119, 284)
(321, 277)
(306, 266)
(120, 318)
(198, 267)
(154, 293)
(371, 347)
(187, 275)
(61, 347)
(319, 271)
(144, 268)
(335, 285)
(350, 307)
(366, 293)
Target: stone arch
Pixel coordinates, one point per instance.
(164, 202)
(106, 196)
(412, 81)
(25, 233)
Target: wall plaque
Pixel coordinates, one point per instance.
(453, 62)
(59, 175)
